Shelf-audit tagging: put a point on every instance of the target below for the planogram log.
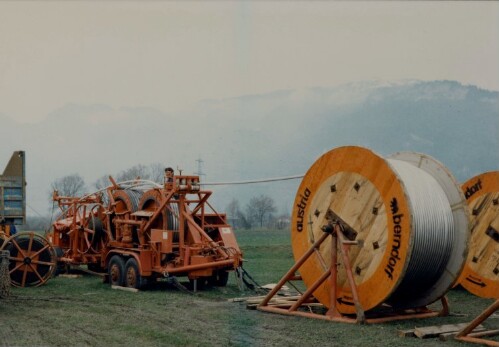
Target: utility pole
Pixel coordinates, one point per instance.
(200, 172)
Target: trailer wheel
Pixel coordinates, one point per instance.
(133, 279)
(116, 270)
(219, 278)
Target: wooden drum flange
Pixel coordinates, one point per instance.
(361, 188)
(481, 271)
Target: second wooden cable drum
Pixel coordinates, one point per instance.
(481, 272)
(408, 215)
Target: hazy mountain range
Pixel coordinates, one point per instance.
(260, 136)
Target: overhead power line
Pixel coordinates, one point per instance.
(264, 180)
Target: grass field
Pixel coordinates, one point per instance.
(86, 312)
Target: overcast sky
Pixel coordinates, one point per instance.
(169, 55)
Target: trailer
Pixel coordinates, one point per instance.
(13, 194)
(138, 231)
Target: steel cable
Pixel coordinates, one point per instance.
(134, 196)
(432, 227)
(173, 217)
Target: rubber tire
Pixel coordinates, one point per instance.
(116, 270)
(134, 279)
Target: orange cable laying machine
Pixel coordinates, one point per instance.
(139, 235)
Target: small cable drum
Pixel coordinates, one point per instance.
(409, 217)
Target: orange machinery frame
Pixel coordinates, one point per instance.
(335, 230)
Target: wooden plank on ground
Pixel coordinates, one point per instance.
(434, 331)
(406, 333)
(246, 299)
(274, 299)
(238, 299)
(258, 299)
(126, 289)
(451, 314)
(70, 276)
(451, 335)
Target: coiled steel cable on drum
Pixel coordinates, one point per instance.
(433, 230)
(134, 196)
(173, 217)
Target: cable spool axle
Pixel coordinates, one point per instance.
(407, 215)
(480, 275)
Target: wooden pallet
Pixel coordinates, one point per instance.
(277, 301)
(443, 332)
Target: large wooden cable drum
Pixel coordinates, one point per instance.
(480, 275)
(409, 218)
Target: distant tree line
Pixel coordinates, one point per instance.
(74, 184)
(259, 212)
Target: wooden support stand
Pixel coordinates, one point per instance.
(468, 336)
(336, 230)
